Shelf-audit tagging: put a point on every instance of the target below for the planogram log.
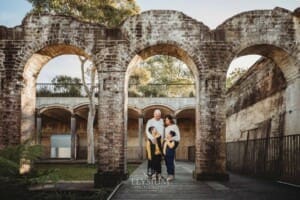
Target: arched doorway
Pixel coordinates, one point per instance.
(283, 73)
(260, 113)
(169, 50)
(55, 132)
(31, 71)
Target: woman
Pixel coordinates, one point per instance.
(171, 127)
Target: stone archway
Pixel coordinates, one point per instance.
(275, 31)
(170, 48)
(31, 70)
(288, 65)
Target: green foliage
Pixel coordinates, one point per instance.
(67, 85)
(10, 164)
(108, 12)
(43, 92)
(167, 69)
(161, 76)
(10, 158)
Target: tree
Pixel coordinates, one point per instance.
(67, 86)
(108, 12)
(90, 91)
(234, 76)
(139, 76)
(168, 77)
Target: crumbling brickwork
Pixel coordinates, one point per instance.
(26, 48)
(255, 102)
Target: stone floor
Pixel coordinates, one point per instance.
(184, 187)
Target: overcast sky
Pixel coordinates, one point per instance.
(210, 12)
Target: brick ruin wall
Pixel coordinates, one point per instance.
(254, 101)
(271, 33)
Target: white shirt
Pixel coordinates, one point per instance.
(173, 127)
(158, 124)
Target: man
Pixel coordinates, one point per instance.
(158, 123)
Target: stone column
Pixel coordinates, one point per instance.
(11, 110)
(112, 122)
(210, 155)
(292, 101)
(140, 132)
(73, 137)
(38, 128)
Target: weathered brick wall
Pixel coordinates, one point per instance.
(262, 80)
(271, 33)
(257, 97)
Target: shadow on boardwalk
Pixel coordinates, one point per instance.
(184, 187)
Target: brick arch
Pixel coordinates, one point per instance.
(135, 111)
(39, 55)
(43, 109)
(193, 58)
(80, 106)
(269, 33)
(151, 28)
(282, 57)
(46, 51)
(258, 25)
(154, 25)
(49, 30)
(170, 48)
(153, 106)
(189, 107)
(208, 49)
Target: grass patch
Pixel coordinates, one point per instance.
(76, 172)
(71, 172)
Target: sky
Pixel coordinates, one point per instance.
(211, 12)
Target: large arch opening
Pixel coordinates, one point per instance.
(32, 70)
(257, 112)
(156, 101)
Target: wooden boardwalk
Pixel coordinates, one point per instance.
(184, 187)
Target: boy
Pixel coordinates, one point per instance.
(169, 152)
(154, 152)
